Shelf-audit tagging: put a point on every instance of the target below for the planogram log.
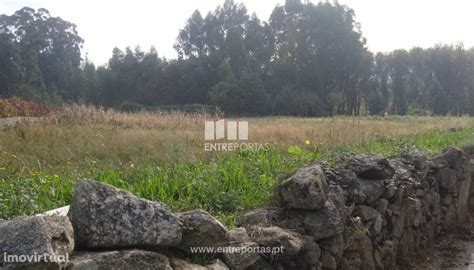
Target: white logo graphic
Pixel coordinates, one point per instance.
(214, 130)
(237, 136)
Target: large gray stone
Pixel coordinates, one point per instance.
(348, 181)
(452, 156)
(244, 255)
(263, 217)
(356, 240)
(372, 189)
(337, 196)
(450, 217)
(238, 235)
(447, 179)
(291, 242)
(126, 260)
(52, 235)
(310, 254)
(370, 167)
(106, 217)
(407, 247)
(351, 261)
(387, 251)
(200, 229)
(323, 223)
(333, 245)
(464, 186)
(366, 213)
(217, 265)
(382, 206)
(328, 260)
(411, 208)
(471, 192)
(264, 264)
(417, 159)
(306, 189)
(180, 264)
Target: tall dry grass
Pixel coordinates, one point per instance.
(90, 115)
(348, 130)
(81, 136)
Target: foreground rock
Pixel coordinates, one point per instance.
(372, 213)
(126, 259)
(105, 217)
(306, 189)
(370, 167)
(323, 223)
(200, 229)
(377, 213)
(244, 255)
(217, 265)
(276, 237)
(263, 217)
(51, 235)
(180, 264)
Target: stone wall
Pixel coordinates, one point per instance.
(371, 213)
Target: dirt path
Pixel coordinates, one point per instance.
(464, 259)
(451, 252)
(470, 252)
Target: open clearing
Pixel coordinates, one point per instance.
(160, 156)
(84, 136)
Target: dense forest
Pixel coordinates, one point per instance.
(306, 60)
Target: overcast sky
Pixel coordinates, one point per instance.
(387, 24)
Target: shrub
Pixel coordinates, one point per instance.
(16, 106)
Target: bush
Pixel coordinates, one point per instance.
(299, 102)
(16, 106)
(245, 96)
(127, 106)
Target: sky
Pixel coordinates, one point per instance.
(387, 24)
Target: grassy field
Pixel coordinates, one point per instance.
(160, 156)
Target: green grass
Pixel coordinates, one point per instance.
(224, 186)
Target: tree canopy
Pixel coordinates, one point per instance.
(306, 59)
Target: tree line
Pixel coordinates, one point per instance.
(306, 60)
